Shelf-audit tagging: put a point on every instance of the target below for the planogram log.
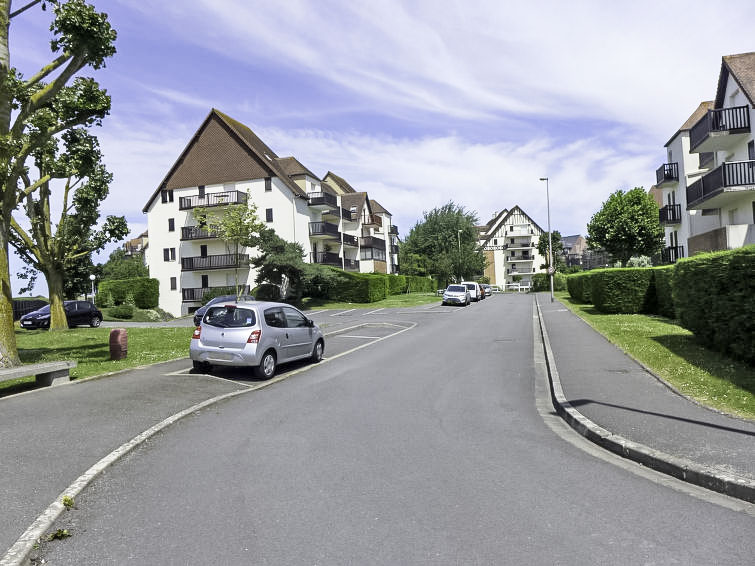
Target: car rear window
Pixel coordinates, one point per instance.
(470, 286)
(456, 288)
(229, 317)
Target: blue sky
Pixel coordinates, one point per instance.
(416, 102)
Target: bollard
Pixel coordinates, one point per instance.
(118, 343)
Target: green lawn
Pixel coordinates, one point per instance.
(403, 300)
(672, 353)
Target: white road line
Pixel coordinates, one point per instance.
(343, 312)
(315, 312)
(372, 312)
(355, 336)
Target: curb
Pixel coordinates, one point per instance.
(680, 468)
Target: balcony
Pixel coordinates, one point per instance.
(518, 258)
(393, 230)
(519, 246)
(725, 184)
(371, 220)
(212, 199)
(197, 233)
(672, 254)
(324, 231)
(325, 258)
(220, 261)
(394, 249)
(721, 129)
(351, 264)
(670, 214)
(322, 201)
(666, 174)
(372, 242)
(195, 294)
(725, 238)
(349, 240)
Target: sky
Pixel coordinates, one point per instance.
(416, 102)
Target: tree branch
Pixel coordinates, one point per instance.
(23, 9)
(28, 242)
(47, 69)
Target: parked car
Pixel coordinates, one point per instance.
(456, 295)
(256, 334)
(487, 288)
(475, 293)
(199, 313)
(77, 313)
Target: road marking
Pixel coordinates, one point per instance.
(343, 312)
(372, 312)
(315, 312)
(355, 336)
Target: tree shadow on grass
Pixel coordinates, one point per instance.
(715, 363)
(84, 353)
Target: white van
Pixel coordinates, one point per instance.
(475, 291)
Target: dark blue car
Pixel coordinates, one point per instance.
(77, 313)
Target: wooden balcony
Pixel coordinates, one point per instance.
(723, 185)
(670, 214)
(220, 261)
(212, 199)
(721, 129)
(196, 233)
(325, 258)
(322, 201)
(666, 174)
(324, 231)
(371, 220)
(195, 294)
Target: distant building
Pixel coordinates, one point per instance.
(136, 246)
(574, 248)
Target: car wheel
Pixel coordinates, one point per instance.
(317, 351)
(266, 369)
(95, 322)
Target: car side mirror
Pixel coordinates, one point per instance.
(310, 323)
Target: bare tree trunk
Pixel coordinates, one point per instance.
(8, 350)
(57, 312)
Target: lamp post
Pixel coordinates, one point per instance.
(458, 239)
(91, 278)
(551, 268)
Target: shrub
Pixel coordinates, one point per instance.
(713, 294)
(626, 290)
(267, 292)
(579, 286)
(541, 282)
(145, 290)
(122, 311)
(662, 277)
(129, 300)
(105, 300)
(396, 284)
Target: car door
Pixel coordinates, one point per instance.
(299, 333)
(277, 333)
(71, 314)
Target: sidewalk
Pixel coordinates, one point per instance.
(664, 430)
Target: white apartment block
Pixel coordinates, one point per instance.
(226, 163)
(509, 242)
(708, 180)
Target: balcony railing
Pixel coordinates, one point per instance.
(351, 264)
(670, 214)
(732, 174)
(520, 258)
(196, 233)
(519, 246)
(724, 120)
(324, 229)
(372, 242)
(191, 294)
(325, 258)
(372, 220)
(220, 261)
(212, 199)
(667, 173)
(349, 240)
(393, 230)
(672, 254)
(394, 249)
(322, 199)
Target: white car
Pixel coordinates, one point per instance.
(475, 291)
(456, 295)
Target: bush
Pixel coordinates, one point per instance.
(396, 284)
(267, 292)
(122, 311)
(541, 282)
(626, 290)
(663, 277)
(129, 300)
(145, 291)
(579, 286)
(713, 294)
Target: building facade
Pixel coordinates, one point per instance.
(226, 163)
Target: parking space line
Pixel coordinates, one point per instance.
(355, 336)
(315, 312)
(343, 312)
(372, 312)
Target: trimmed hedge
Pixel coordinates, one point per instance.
(541, 282)
(714, 297)
(627, 290)
(146, 291)
(663, 277)
(353, 287)
(580, 286)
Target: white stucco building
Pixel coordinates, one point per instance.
(226, 163)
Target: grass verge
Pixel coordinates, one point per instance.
(672, 353)
(403, 300)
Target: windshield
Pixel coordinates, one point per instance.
(456, 289)
(470, 286)
(44, 310)
(230, 317)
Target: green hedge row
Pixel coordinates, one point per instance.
(541, 282)
(146, 291)
(578, 285)
(338, 285)
(663, 279)
(714, 294)
(626, 290)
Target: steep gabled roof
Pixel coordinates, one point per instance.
(223, 150)
(505, 216)
(376, 207)
(491, 226)
(293, 167)
(326, 188)
(742, 68)
(359, 200)
(694, 118)
(340, 181)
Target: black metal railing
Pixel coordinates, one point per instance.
(670, 214)
(326, 258)
(191, 294)
(324, 229)
(322, 198)
(351, 264)
(733, 120)
(666, 173)
(393, 230)
(212, 199)
(197, 233)
(394, 249)
(372, 242)
(220, 261)
(732, 174)
(349, 240)
(672, 254)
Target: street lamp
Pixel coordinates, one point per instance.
(91, 278)
(551, 268)
(458, 239)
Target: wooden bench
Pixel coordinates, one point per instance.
(45, 373)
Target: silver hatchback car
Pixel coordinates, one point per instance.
(256, 334)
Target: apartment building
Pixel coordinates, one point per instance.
(708, 180)
(226, 163)
(509, 242)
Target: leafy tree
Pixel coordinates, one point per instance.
(37, 109)
(558, 250)
(119, 265)
(54, 249)
(444, 245)
(280, 263)
(626, 225)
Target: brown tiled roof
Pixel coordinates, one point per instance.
(326, 188)
(699, 112)
(359, 200)
(742, 67)
(340, 181)
(293, 167)
(376, 207)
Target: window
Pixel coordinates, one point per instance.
(205, 281)
(201, 191)
(268, 215)
(203, 250)
(294, 319)
(173, 284)
(495, 242)
(274, 318)
(167, 195)
(751, 150)
(372, 253)
(166, 254)
(172, 254)
(171, 224)
(268, 184)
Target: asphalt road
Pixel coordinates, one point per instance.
(426, 447)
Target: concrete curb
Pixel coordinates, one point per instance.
(692, 472)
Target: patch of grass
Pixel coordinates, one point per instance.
(403, 300)
(672, 353)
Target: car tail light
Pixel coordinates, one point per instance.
(254, 337)
(197, 332)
